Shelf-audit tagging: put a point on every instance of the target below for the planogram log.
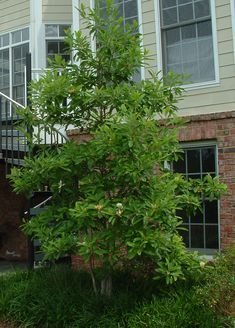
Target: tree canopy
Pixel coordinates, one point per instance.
(113, 200)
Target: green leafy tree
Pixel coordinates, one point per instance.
(113, 199)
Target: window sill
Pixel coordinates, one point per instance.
(196, 86)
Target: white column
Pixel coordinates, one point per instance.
(75, 14)
(37, 35)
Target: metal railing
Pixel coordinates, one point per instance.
(14, 145)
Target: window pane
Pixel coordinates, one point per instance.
(173, 54)
(62, 29)
(205, 48)
(168, 3)
(51, 30)
(185, 12)
(212, 237)
(211, 211)
(204, 29)
(189, 52)
(17, 52)
(188, 32)
(52, 47)
(180, 165)
(172, 36)
(180, 2)
(208, 160)
(170, 16)
(130, 8)
(207, 69)
(197, 239)
(5, 40)
(202, 8)
(197, 217)
(183, 215)
(16, 37)
(193, 157)
(25, 34)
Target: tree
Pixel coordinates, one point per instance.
(113, 199)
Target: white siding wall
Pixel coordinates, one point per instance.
(14, 14)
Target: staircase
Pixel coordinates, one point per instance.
(14, 148)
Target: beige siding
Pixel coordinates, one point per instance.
(214, 98)
(221, 97)
(57, 11)
(14, 14)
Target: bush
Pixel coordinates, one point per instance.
(218, 290)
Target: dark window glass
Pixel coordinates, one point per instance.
(179, 166)
(183, 216)
(193, 157)
(208, 160)
(211, 211)
(212, 237)
(203, 225)
(197, 217)
(197, 239)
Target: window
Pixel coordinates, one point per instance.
(202, 229)
(55, 44)
(128, 9)
(13, 49)
(187, 39)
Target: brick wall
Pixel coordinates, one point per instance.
(221, 128)
(218, 127)
(13, 243)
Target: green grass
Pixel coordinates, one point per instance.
(60, 298)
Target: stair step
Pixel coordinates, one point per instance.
(15, 147)
(12, 133)
(14, 161)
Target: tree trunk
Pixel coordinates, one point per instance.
(106, 286)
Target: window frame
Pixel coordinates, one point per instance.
(160, 48)
(199, 145)
(11, 45)
(53, 38)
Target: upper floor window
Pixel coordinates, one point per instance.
(201, 229)
(55, 44)
(187, 39)
(128, 9)
(13, 49)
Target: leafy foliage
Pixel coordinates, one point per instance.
(113, 198)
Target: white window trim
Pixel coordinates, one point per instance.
(232, 6)
(192, 86)
(198, 144)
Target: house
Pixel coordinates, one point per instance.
(194, 37)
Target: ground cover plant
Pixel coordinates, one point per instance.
(114, 200)
(58, 297)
